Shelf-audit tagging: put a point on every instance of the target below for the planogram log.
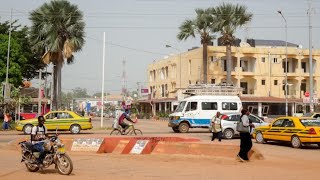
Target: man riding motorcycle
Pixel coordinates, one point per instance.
(38, 134)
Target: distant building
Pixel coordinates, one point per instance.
(258, 66)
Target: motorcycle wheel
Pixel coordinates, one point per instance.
(31, 167)
(65, 167)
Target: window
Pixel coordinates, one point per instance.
(213, 81)
(304, 66)
(278, 123)
(234, 118)
(275, 82)
(287, 123)
(209, 106)
(189, 81)
(263, 82)
(224, 65)
(192, 106)
(189, 67)
(254, 119)
(229, 106)
(263, 59)
(275, 60)
(181, 106)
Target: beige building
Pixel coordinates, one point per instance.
(259, 70)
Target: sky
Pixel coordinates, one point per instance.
(138, 30)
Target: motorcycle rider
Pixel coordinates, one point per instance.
(124, 115)
(38, 134)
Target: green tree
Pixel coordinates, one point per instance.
(17, 60)
(23, 64)
(67, 99)
(80, 93)
(57, 32)
(201, 25)
(227, 19)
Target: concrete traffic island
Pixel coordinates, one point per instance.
(150, 145)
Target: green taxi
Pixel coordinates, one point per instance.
(61, 120)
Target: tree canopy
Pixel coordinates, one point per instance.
(23, 63)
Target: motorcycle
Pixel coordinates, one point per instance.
(54, 154)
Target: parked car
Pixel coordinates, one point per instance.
(63, 120)
(229, 124)
(313, 115)
(296, 130)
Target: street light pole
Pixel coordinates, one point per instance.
(168, 46)
(310, 61)
(286, 65)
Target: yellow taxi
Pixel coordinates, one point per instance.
(297, 130)
(61, 120)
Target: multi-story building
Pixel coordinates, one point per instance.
(257, 67)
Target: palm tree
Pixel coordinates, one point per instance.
(228, 18)
(57, 32)
(201, 25)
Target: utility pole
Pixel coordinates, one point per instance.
(124, 79)
(7, 86)
(39, 94)
(103, 64)
(310, 58)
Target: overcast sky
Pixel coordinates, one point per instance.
(138, 30)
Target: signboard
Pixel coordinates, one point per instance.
(144, 91)
(307, 100)
(86, 144)
(139, 146)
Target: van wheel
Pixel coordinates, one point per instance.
(175, 129)
(228, 133)
(183, 127)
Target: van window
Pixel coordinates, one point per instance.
(229, 106)
(209, 106)
(181, 106)
(192, 106)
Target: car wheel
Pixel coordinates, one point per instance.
(75, 129)
(228, 133)
(27, 129)
(175, 129)
(183, 127)
(259, 138)
(295, 142)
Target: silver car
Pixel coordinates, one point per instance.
(229, 123)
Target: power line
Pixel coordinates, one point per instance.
(126, 47)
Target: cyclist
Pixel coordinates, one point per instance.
(121, 122)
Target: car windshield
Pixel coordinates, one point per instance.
(181, 106)
(310, 122)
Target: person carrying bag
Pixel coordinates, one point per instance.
(243, 127)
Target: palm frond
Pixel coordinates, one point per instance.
(187, 29)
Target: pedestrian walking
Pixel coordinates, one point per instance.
(216, 126)
(245, 136)
(6, 120)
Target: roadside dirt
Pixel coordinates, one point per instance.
(110, 166)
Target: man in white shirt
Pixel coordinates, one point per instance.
(38, 134)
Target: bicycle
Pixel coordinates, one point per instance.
(129, 131)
